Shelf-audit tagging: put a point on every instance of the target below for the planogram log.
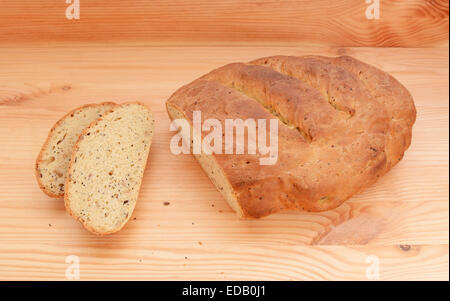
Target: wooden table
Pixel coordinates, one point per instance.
(401, 222)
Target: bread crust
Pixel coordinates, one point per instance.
(342, 125)
(47, 141)
(69, 172)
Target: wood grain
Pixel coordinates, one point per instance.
(415, 23)
(403, 219)
(200, 262)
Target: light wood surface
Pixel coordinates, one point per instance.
(405, 23)
(403, 219)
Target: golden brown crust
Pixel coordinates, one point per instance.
(69, 173)
(342, 125)
(45, 145)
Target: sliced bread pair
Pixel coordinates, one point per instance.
(54, 157)
(106, 167)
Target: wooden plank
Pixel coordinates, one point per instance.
(107, 262)
(414, 23)
(407, 207)
(188, 222)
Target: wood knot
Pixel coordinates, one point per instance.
(405, 248)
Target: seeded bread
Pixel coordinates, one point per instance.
(107, 167)
(342, 124)
(54, 157)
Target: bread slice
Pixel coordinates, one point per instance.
(54, 157)
(107, 168)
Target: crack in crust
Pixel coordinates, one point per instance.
(342, 125)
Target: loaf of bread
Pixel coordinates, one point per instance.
(107, 167)
(54, 157)
(342, 124)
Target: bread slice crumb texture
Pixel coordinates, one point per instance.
(107, 168)
(54, 157)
